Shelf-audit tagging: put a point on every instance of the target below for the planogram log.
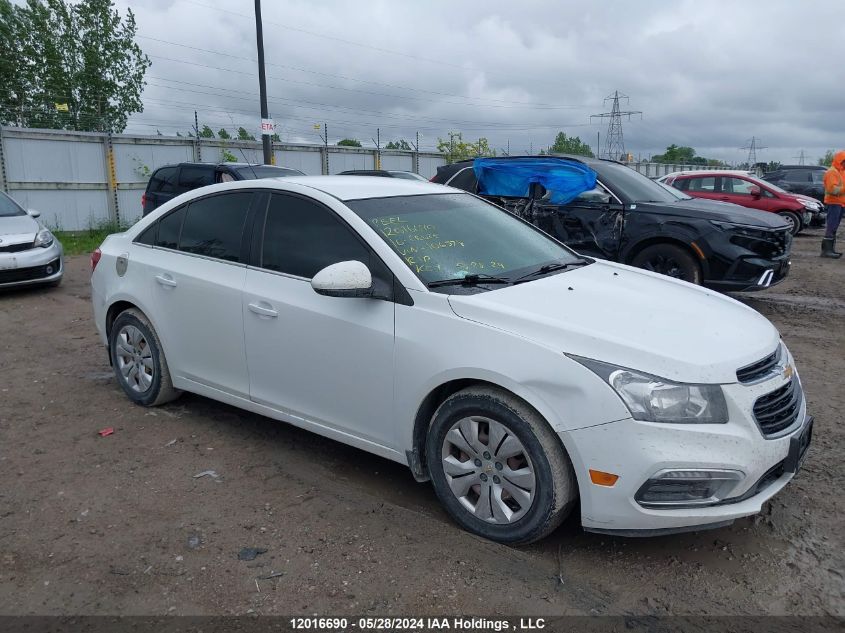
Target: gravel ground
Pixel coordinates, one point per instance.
(121, 525)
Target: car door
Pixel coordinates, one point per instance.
(798, 181)
(738, 190)
(592, 224)
(196, 272)
(699, 187)
(326, 360)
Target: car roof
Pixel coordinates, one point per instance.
(711, 172)
(356, 188)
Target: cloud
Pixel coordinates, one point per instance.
(707, 75)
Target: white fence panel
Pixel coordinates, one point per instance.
(343, 160)
(429, 163)
(309, 161)
(403, 162)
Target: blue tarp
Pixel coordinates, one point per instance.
(511, 177)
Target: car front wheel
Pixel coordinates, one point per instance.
(138, 360)
(498, 468)
(793, 220)
(669, 260)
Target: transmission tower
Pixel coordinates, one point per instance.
(752, 146)
(614, 143)
(801, 158)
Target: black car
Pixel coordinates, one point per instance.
(631, 219)
(169, 181)
(803, 179)
(384, 173)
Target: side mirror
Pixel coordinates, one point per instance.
(344, 279)
(755, 191)
(34, 213)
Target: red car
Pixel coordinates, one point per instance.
(749, 191)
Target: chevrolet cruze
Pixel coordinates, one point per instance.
(432, 328)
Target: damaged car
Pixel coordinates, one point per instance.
(620, 215)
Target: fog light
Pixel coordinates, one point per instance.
(49, 270)
(674, 488)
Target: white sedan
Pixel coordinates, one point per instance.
(430, 327)
(29, 253)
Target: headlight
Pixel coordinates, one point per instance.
(813, 206)
(43, 238)
(653, 399)
(745, 229)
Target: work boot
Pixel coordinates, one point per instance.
(828, 248)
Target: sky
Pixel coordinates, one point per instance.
(709, 75)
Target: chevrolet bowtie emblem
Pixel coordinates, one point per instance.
(788, 371)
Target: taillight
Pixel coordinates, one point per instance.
(95, 259)
(144, 200)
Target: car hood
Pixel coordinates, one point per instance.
(716, 210)
(632, 318)
(18, 228)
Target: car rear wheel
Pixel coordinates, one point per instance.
(498, 468)
(670, 260)
(138, 360)
(793, 220)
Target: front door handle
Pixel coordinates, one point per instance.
(262, 311)
(166, 280)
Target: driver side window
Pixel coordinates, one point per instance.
(596, 195)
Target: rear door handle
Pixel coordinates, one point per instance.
(262, 311)
(166, 280)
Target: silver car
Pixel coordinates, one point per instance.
(29, 254)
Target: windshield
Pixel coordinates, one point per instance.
(267, 171)
(9, 207)
(680, 195)
(630, 185)
(454, 235)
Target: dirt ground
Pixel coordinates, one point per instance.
(121, 525)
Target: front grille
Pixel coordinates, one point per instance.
(28, 274)
(761, 368)
(779, 409)
(16, 248)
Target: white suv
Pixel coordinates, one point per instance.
(430, 327)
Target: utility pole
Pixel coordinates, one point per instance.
(197, 136)
(325, 139)
(416, 158)
(801, 158)
(615, 142)
(266, 123)
(598, 144)
(377, 141)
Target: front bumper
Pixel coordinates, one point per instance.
(33, 266)
(636, 451)
(737, 262)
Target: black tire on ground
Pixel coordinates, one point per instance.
(161, 388)
(794, 221)
(555, 485)
(670, 260)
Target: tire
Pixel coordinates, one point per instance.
(670, 260)
(530, 453)
(134, 344)
(793, 220)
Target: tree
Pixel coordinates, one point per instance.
(349, 142)
(827, 159)
(400, 144)
(457, 149)
(275, 138)
(223, 134)
(675, 154)
(70, 65)
(569, 145)
(243, 135)
(206, 132)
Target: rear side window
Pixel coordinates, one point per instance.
(797, 175)
(214, 226)
(195, 176)
(301, 237)
(465, 179)
(737, 185)
(169, 228)
(163, 180)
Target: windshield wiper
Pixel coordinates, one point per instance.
(548, 268)
(469, 280)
